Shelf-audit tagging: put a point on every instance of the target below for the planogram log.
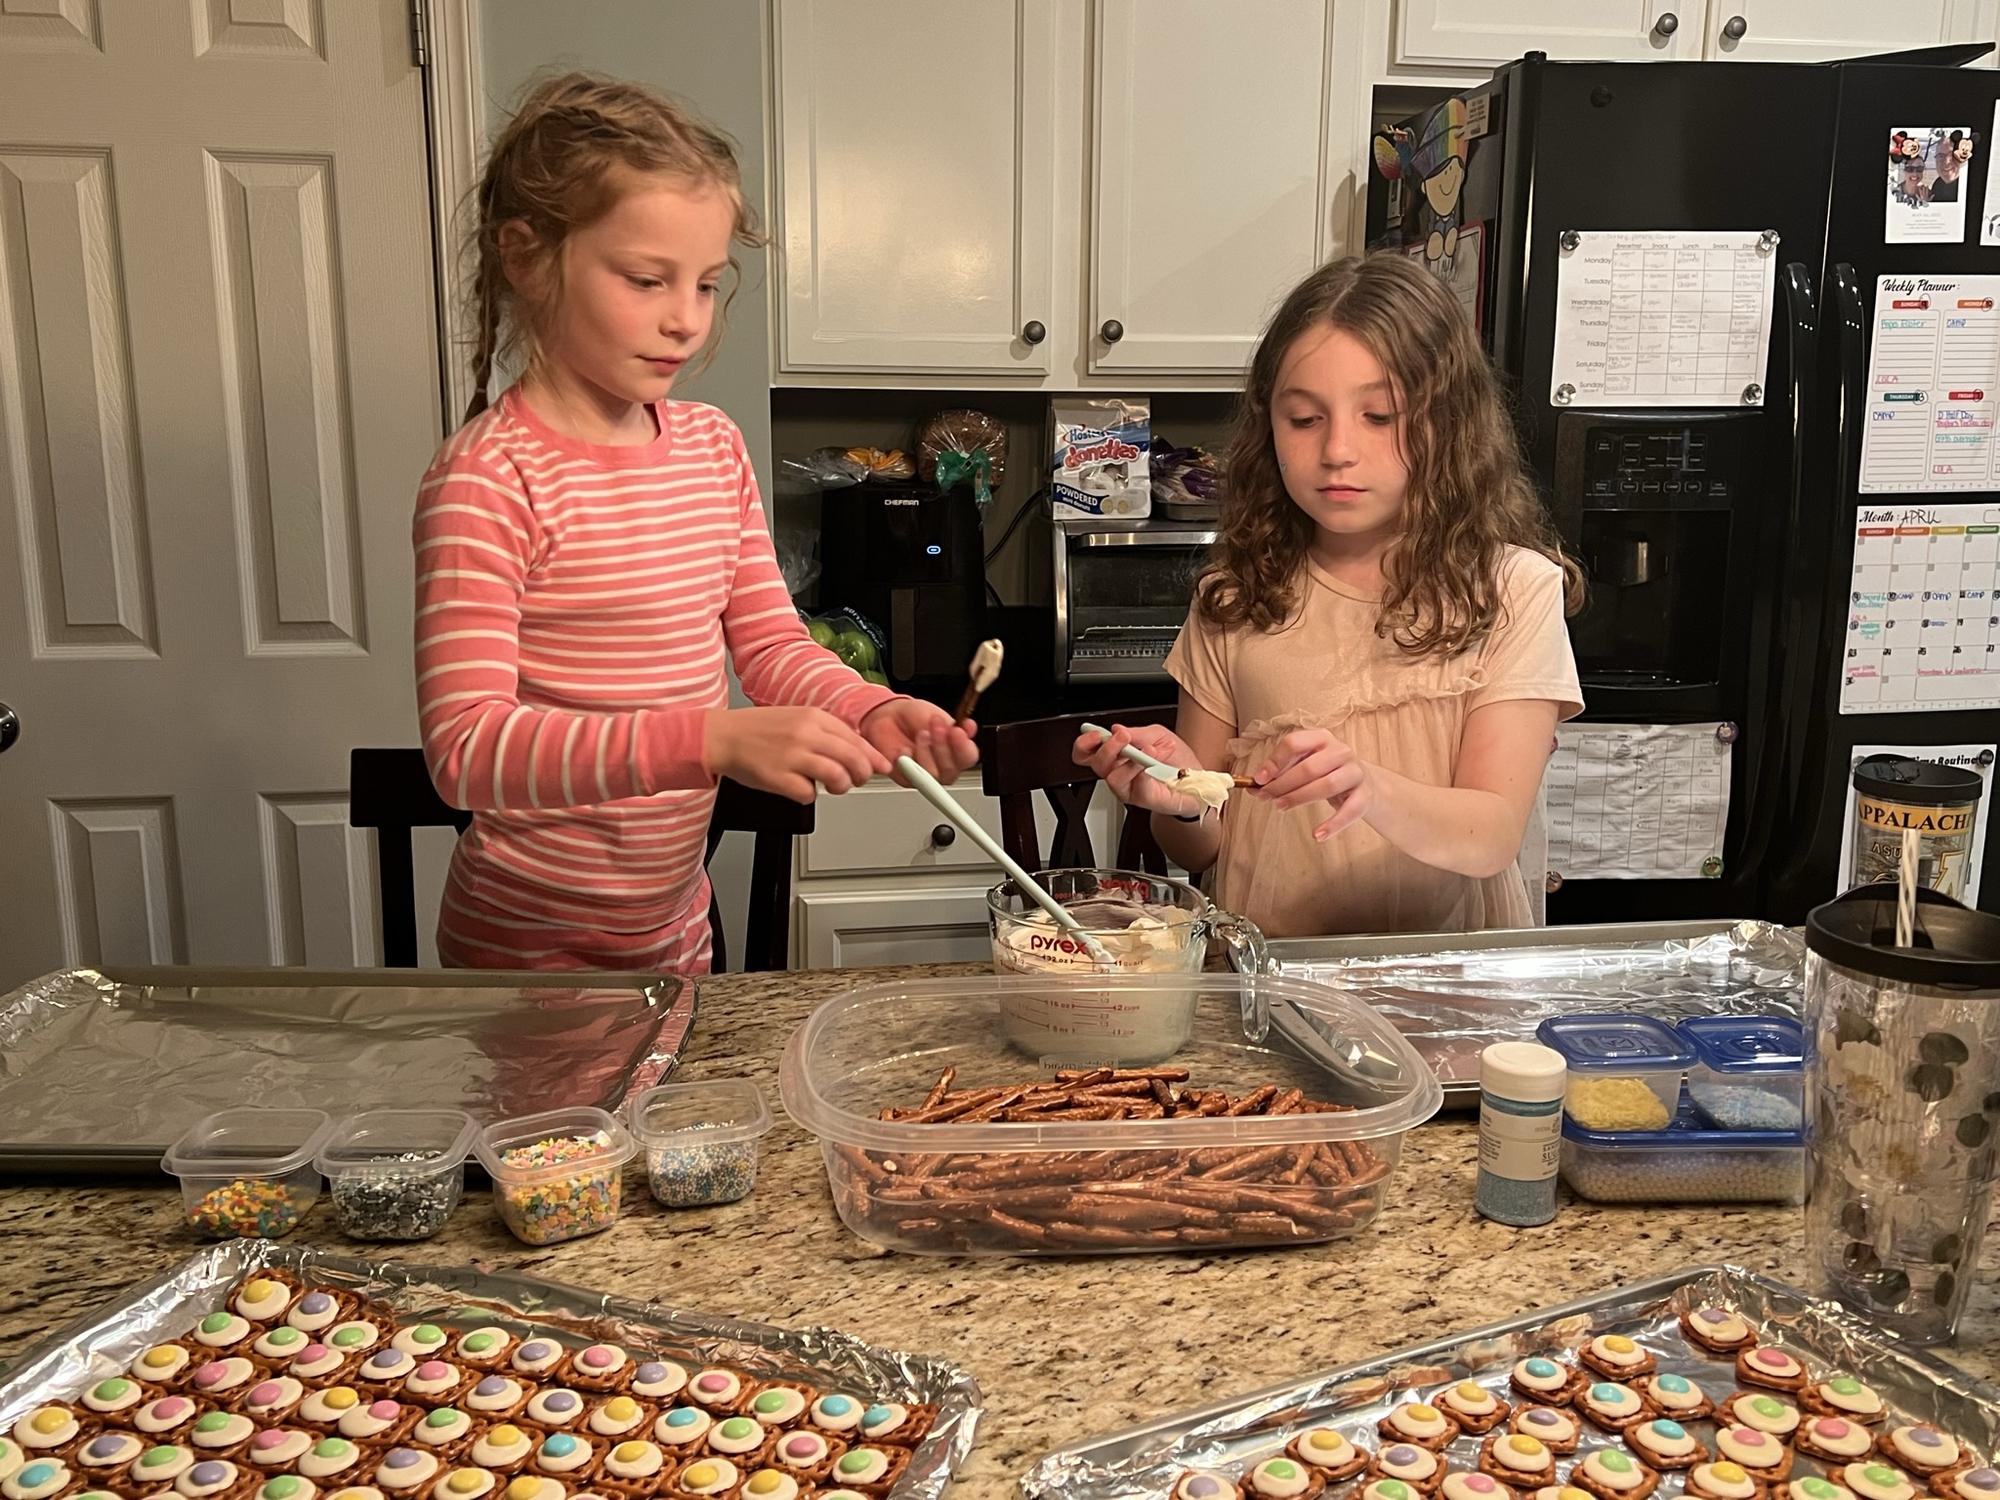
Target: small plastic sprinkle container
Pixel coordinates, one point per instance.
(700, 1139)
(1749, 1071)
(556, 1174)
(1688, 1163)
(396, 1174)
(248, 1172)
(1624, 1070)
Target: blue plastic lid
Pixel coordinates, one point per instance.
(1746, 1044)
(1614, 1043)
(1688, 1132)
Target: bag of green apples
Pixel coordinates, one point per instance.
(852, 636)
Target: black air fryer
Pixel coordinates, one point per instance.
(911, 560)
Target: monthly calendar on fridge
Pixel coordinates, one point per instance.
(1923, 627)
(1933, 386)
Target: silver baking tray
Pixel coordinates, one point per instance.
(102, 1069)
(1452, 993)
(104, 1342)
(1232, 1435)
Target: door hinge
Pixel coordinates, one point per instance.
(420, 31)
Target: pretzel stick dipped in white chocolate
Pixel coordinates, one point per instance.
(981, 674)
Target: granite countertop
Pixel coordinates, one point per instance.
(1063, 1349)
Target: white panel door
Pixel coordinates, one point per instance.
(1817, 30)
(1448, 33)
(916, 166)
(218, 387)
(858, 930)
(1208, 195)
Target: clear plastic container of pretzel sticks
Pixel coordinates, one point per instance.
(1279, 1120)
(700, 1139)
(556, 1174)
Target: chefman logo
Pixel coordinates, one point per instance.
(1090, 446)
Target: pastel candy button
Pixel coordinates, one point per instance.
(1606, 1394)
(103, 1447)
(1282, 1468)
(802, 1446)
(1981, 1479)
(559, 1445)
(1819, 1489)
(1881, 1474)
(535, 1350)
(1616, 1462)
(1400, 1455)
(1325, 1440)
(492, 1385)
(1749, 1437)
(560, 1401)
(506, 1435)
(1465, 1390)
(683, 1416)
(1847, 1385)
(332, 1447)
(166, 1453)
(341, 1397)
(701, 1474)
(427, 1333)
(1775, 1359)
(1764, 1406)
(266, 1440)
(1201, 1487)
(764, 1482)
(385, 1411)
(597, 1357)
(463, 1482)
(621, 1408)
(1831, 1427)
(111, 1390)
(315, 1303)
(1617, 1343)
(433, 1369)
(1393, 1489)
(1479, 1484)
(1524, 1445)
(525, 1488)
(629, 1453)
(737, 1427)
(401, 1458)
(1675, 1384)
(1543, 1369)
(1926, 1437)
(712, 1384)
(650, 1373)
(213, 1421)
(1673, 1432)
(1422, 1413)
(1729, 1473)
(1541, 1416)
(208, 1472)
(282, 1488)
(214, 1323)
(266, 1393)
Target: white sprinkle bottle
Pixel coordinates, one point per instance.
(1520, 1132)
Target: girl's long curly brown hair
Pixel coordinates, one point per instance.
(554, 168)
(1469, 495)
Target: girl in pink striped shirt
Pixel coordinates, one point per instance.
(591, 557)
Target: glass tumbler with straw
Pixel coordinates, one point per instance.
(1902, 1100)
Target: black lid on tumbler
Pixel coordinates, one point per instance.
(1923, 782)
(1951, 947)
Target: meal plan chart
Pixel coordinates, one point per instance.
(1923, 629)
(1933, 386)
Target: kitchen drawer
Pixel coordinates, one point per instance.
(887, 829)
(938, 924)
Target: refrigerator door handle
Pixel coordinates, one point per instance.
(1766, 782)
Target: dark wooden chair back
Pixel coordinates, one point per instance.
(390, 791)
(1019, 760)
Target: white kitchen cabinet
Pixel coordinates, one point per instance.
(1208, 177)
(969, 192)
(915, 177)
(864, 929)
(1454, 33)
(885, 878)
(1817, 30)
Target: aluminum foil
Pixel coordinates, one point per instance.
(105, 1070)
(103, 1343)
(1451, 1003)
(1231, 1436)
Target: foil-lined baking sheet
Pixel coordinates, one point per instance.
(102, 1343)
(1232, 1435)
(1453, 994)
(100, 1071)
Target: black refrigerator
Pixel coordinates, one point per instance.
(1718, 541)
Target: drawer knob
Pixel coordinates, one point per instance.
(1667, 25)
(1112, 331)
(1734, 28)
(1034, 332)
(943, 836)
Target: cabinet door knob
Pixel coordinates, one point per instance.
(1112, 331)
(10, 726)
(1667, 24)
(943, 836)
(1734, 27)
(1034, 332)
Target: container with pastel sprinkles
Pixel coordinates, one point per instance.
(248, 1173)
(700, 1139)
(556, 1175)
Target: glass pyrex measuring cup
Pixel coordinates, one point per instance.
(1149, 925)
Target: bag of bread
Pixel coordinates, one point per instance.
(959, 445)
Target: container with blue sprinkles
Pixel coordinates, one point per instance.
(700, 1139)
